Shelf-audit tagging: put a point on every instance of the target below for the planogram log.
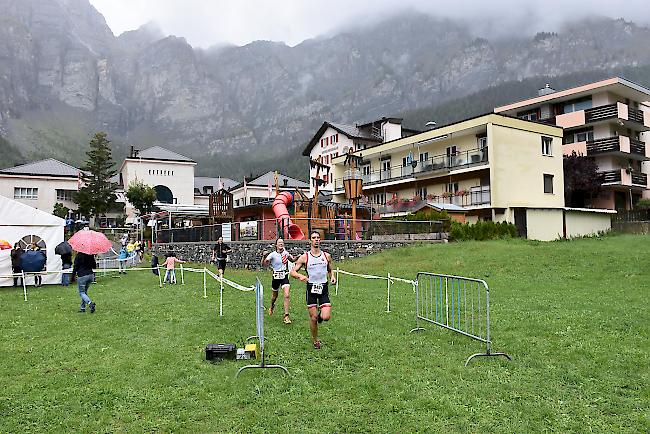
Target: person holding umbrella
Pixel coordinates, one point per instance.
(87, 243)
(64, 249)
(16, 253)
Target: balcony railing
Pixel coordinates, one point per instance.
(639, 178)
(610, 111)
(440, 163)
(474, 197)
(601, 113)
(637, 147)
(610, 176)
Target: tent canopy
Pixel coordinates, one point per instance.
(14, 213)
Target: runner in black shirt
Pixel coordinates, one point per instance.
(219, 255)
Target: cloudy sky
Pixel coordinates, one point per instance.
(209, 22)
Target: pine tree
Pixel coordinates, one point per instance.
(97, 196)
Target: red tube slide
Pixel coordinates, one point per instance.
(282, 216)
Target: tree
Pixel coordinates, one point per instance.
(141, 196)
(581, 180)
(97, 196)
(60, 210)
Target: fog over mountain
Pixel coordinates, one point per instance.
(64, 75)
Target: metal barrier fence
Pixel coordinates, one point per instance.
(259, 318)
(460, 304)
(331, 229)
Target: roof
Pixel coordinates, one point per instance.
(49, 167)
(160, 153)
(625, 87)
(263, 181)
(351, 131)
(200, 182)
(446, 207)
(14, 213)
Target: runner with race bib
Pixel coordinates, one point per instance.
(318, 265)
(279, 261)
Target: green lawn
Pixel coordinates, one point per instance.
(573, 315)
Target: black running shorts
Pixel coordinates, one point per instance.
(277, 283)
(318, 300)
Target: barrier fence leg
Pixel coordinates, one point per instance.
(24, 285)
(336, 292)
(159, 278)
(388, 299)
(220, 297)
(416, 285)
(182, 276)
(205, 291)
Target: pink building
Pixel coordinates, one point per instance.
(607, 121)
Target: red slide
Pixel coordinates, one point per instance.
(282, 216)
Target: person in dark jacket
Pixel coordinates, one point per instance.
(38, 279)
(66, 259)
(16, 253)
(84, 265)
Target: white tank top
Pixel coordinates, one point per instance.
(278, 260)
(317, 268)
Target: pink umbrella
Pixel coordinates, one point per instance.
(90, 242)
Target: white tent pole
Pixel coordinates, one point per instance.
(24, 285)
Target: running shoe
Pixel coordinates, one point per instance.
(287, 320)
(92, 307)
(271, 310)
(317, 345)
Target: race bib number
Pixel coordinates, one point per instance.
(278, 275)
(317, 288)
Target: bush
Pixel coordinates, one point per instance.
(481, 231)
(643, 204)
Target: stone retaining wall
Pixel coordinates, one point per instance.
(247, 254)
(638, 228)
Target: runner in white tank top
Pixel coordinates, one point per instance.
(279, 261)
(318, 265)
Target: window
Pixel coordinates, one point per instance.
(64, 195)
(547, 146)
(385, 165)
(577, 105)
(379, 199)
(25, 193)
(424, 156)
(451, 156)
(581, 135)
(321, 143)
(337, 137)
(365, 170)
(326, 178)
(452, 187)
(422, 192)
(548, 183)
(481, 142)
(529, 115)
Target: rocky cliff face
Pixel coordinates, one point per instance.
(63, 74)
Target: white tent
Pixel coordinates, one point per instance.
(19, 221)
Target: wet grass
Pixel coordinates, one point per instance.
(574, 316)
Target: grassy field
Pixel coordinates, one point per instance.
(573, 315)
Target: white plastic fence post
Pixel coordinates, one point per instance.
(182, 276)
(205, 293)
(24, 286)
(221, 297)
(159, 278)
(388, 300)
(337, 281)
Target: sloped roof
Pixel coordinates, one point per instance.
(160, 153)
(263, 180)
(49, 167)
(351, 131)
(200, 182)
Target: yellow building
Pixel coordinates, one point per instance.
(497, 167)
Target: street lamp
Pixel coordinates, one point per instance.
(353, 184)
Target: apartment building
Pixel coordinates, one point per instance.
(41, 184)
(334, 139)
(495, 166)
(607, 121)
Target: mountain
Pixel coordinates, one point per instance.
(64, 75)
